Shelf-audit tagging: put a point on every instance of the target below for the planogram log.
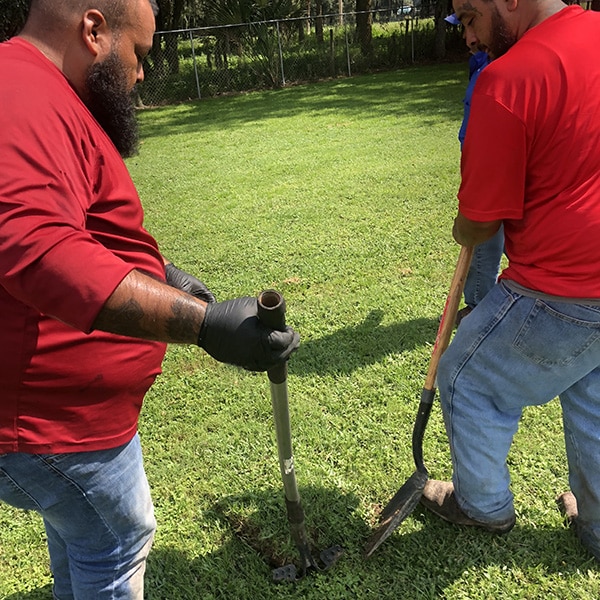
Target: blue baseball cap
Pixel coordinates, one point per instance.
(452, 19)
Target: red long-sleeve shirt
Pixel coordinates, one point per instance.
(70, 231)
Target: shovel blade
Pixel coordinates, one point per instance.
(405, 500)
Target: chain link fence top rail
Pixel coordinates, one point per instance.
(207, 61)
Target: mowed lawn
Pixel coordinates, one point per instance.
(341, 195)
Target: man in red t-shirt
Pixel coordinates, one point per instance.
(87, 302)
(530, 162)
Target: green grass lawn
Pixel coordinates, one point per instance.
(341, 195)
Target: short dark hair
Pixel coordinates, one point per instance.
(115, 11)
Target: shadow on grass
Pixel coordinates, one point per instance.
(420, 565)
(260, 521)
(425, 559)
(350, 348)
(256, 536)
(432, 92)
(43, 593)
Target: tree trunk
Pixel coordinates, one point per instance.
(319, 21)
(172, 40)
(595, 5)
(441, 10)
(177, 14)
(157, 53)
(363, 26)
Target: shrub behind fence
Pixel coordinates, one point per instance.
(207, 61)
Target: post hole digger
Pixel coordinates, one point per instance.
(271, 310)
(407, 497)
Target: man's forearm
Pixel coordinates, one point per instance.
(145, 308)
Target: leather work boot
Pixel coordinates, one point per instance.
(567, 505)
(462, 313)
(439, 498)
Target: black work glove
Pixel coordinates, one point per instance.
(232, 333)
(187, 283)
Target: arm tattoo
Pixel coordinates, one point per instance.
(143, 308)
(183, 321)
(126, 320)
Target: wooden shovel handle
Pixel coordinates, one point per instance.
(448, 319)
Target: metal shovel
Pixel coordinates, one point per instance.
(271, 311)
(407, 497)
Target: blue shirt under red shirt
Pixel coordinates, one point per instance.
(477, 62)
(531, 155)
(70, 231)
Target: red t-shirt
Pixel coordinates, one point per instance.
(70, 231)
(532, 154)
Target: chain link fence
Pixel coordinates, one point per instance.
(208, 61)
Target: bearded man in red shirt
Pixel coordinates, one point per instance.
(87, 302)
(530, 161)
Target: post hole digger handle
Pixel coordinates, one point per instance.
(271, 311)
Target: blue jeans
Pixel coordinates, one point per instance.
(483, 272)
(98, 516)
(514, 351)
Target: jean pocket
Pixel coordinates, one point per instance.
(12, 493)
(556, 334)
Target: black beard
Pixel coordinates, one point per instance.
(502, 38)
(112, 104)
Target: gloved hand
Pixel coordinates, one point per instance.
(187, 283)
(232, 333)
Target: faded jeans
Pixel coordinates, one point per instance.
(98, 516)
(514, 351)
(483, 272)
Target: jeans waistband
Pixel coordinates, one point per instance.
(517, 288)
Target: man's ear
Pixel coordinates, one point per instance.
(511, 5)
(96, 34)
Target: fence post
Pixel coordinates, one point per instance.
(195, 66)
(332, 52)
(412, 40)
(280, 55)
(347, 51)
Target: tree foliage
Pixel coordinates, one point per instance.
(226, 12)
(181, 14)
